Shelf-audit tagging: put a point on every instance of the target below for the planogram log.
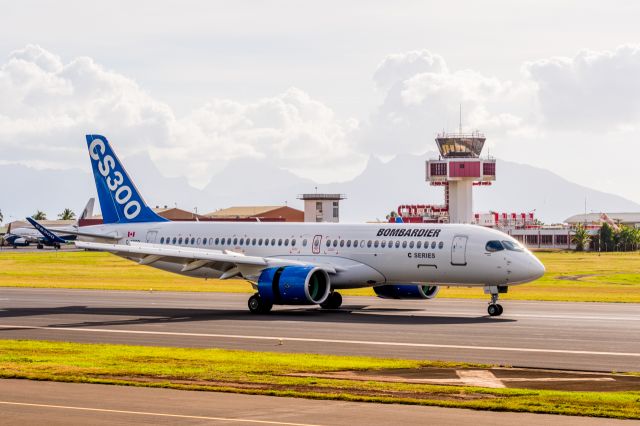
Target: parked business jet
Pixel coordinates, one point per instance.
(303, 263)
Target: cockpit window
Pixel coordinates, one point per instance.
(510, 245)
(493, 246)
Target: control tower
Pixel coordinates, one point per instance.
(458, 169)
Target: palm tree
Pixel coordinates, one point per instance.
(40, 215)
(581, 238)
(67, 214)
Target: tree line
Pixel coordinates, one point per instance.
(608, 238)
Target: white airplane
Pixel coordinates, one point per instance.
(303, 263)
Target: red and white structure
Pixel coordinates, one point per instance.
(458, 169)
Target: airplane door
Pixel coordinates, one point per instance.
(459, 250)
(315, 247)
(151, 236)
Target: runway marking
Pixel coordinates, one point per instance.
(422, 312)
(315, 340)
(145, 413)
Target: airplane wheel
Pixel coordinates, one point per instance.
(494, 310)
(258, 306)
(334, 301)
(39, 246)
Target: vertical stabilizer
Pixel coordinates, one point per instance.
(119, 198)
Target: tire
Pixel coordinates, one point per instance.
(257, 305)
(500, 310)
(493, 310)
(334, 301)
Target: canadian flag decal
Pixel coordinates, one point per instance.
(131, 234)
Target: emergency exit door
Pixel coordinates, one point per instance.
(459, 250)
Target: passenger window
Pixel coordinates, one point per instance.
(273, 241)
(253, 242)
(335, 243)
(174, 240)
(397, 244)
(241, 241)
(348, 243)
(341, 243)
(493, 246)
(260, 242)
(404, 244)
(433, 244)
(383, 244)
(199, 240)
(440, 245)
(376, 243)
(369, 243)
(355, 243)
(328, 243)
(162, 240)
(419, 244)
(411, 244)
(180, 240)
(304, 242)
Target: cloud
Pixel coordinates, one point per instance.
(47, 106)
(591, 90)
(424, 96)
(401, 66)
(291, 130)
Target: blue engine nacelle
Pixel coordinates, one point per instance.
(294, 285)
(406, 291)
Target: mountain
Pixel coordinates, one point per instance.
(380, 188)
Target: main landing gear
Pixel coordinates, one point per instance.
(257, 305)
(334, 301)
(495, 309)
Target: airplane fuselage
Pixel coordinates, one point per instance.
(365, 254)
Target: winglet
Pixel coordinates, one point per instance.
(48, 235)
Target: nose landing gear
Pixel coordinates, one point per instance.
(495, 309)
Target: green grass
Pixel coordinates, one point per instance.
(581, 277)
(274, 374)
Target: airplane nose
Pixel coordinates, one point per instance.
(525, 269)
(536, 268)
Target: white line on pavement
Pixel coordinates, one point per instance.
(312, 340)
(144, 413)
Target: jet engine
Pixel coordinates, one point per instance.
(406, 291)
(294, 285)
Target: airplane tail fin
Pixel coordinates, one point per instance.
(87, 212)
(47, 234)
(119, 198)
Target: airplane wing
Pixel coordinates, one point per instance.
(108, 237)
(231, 263)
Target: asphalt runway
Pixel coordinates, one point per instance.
(553, 335)
(27, 402)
